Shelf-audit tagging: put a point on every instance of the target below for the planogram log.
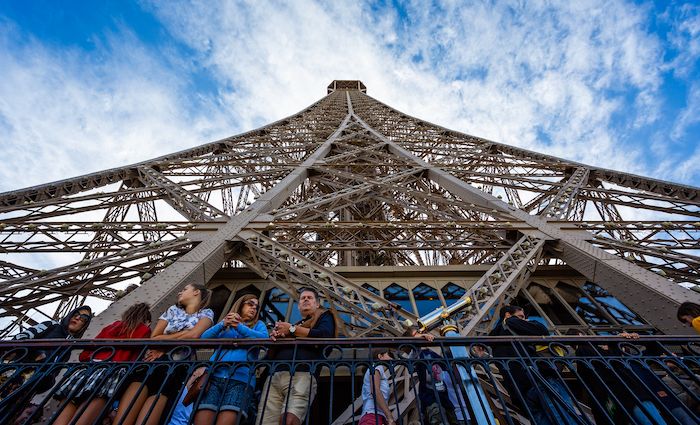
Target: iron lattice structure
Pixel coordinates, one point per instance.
(348, 188)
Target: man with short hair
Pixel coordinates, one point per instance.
(285, 399)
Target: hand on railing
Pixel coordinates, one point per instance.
(152, 355)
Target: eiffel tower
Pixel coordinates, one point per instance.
(392, 219)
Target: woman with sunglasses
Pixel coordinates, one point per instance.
(230, 387)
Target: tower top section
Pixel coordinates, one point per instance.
(346, 85)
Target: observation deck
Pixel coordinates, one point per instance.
(346, 85)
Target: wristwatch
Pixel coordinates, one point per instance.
(292, 329)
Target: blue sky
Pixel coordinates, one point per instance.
(89, 85)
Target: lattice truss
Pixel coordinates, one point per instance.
(348, 181)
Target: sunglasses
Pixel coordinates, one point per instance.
(252, 304)
(82, 317)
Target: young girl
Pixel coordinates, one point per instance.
(230, 388)
(188, 319)
(103, 382)
(375, 392)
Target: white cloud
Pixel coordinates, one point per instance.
(506, 71)
(64, 113)
(497, 71)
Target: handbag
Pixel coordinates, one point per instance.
(195, 388)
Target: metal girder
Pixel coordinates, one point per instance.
(185, 202)
(366, 313)
(652, 296)
(562, 204)
(204, 260)
(476, 309)
(429, 131)
(337, 168)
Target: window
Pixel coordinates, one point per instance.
(583, 305)
(370, 288)
(275, 305)
(427, 299)
(619, 311)
(398, 295)
(553, 308)
(452, 292)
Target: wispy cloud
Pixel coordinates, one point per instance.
(504, 72)
(64, 112)
(570, 79)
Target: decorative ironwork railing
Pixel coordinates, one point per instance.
(518, 380)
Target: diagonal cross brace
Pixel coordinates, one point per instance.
(507, 275)
(274, 261)
(185, 202)
(563, 202)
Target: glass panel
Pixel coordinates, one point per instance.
(274, 306)
(583, 305)
(427, 299)
(295, 316)
(452, 292)
(619, 311)
(370, 288)
(553, 308)
(399, 295)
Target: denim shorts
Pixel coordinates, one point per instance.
(226, 394)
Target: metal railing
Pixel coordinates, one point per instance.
(578, 380)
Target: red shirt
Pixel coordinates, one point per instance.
(117, 331)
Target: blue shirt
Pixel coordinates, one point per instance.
(237, 372)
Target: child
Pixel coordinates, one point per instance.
(83, 406)
(375, 392)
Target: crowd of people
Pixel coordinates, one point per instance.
(225, 394)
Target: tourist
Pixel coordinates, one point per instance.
(230, 389)
(285, 399)
(72, 326)
(87, 391)
(689, 314)
(545, 408)
(376, 391)
(147, 396)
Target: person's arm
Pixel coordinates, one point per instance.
(214, 331)
(258, 331)
(325, 328)
(526, 327)
(34, 331)
(193, 333)
(379, 397)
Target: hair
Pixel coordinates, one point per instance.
(204, 295)
(511, 308)
(376, 352)
(410, 330)
(688, 309)
(308, 289)
(135, 315)
(238, 308)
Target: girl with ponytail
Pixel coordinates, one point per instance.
(187, 319)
